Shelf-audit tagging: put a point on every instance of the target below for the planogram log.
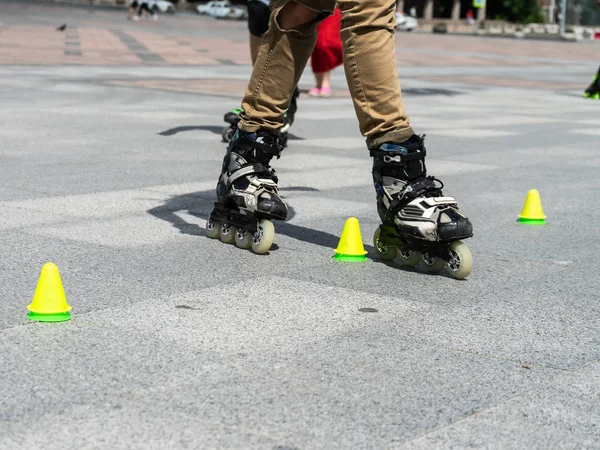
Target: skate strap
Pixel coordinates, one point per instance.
(251, 169)
(269, 147)
(397, 157)
(425, 187)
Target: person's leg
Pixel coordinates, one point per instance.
(132, 7)
(326, 84)
(416, 218)
(323, 88)
(146, 7)
(325, 80)
(370, 65)
(247, 194)
(283, 54)
(319, 80)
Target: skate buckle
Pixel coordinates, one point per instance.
(389, 159)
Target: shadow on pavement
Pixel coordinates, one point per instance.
(430, 91)
(200, 204)
(216, 129)
(212, 128)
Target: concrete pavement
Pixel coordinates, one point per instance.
(109, 160)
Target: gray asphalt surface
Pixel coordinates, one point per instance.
(179, 341)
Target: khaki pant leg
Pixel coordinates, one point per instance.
(282, 56)
(370, 65)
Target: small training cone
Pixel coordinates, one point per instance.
(49, 303)
(350, 247)
(532, 213)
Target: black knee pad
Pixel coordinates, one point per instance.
(258, 17)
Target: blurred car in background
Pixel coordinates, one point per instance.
(222, 9)
(162, 6)
(405, 23)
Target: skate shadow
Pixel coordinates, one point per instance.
(215, 129)
(200, 204)
(212, 128)
(431, 91)
(195, 204)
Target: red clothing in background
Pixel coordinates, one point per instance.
(327, 54)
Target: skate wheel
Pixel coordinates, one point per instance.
(385, 253)
(213, 229)
(432, 263)
(227, 233)
(243, 239)
(263, 238)
(461, 260)
(227, 134)
(409, 257)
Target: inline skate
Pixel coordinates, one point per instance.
(233, 119)
(247, 196)
(419, 224)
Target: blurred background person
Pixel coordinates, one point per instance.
(138, 7)
(327, 54)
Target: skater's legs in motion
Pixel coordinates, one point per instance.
(409, 202)
(369, 60)
(247, 196)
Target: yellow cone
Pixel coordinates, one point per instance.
(350, 247)
(49, 303)
(532, 213)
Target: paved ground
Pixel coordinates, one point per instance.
(109, 153)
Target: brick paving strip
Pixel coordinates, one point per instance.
(136, 47)
(209, 86)
(72, 44)
(503, 82)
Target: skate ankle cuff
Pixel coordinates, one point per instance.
(397, 157)
(263, 147)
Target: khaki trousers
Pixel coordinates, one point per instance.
(369, 62)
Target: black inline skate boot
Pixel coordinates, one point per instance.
(247, 196)
(233, 119)
(593, 90)
(419, 223)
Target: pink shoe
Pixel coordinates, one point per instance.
(325, 92)
(314, 92)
